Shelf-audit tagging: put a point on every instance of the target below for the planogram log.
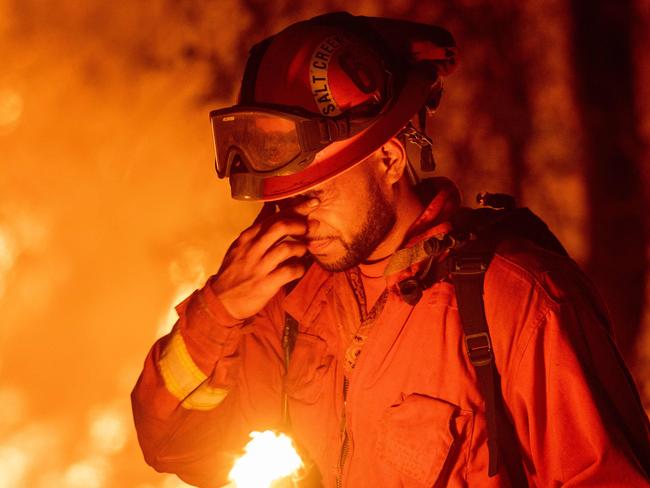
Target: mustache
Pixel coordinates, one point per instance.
(308, 239)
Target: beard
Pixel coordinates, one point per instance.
(378, 222)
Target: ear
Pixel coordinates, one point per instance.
(393, 159)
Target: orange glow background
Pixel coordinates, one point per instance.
(110, 211)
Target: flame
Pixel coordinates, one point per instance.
(25, 450)
(108, 430)
(170, 315)
(7, 257)
(269, 458)
(14, 463)
(187, 273)
(88, 473)
(171, 481)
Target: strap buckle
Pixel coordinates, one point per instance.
(468, 265)
(479, 348)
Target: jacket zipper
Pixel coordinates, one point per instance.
(344, 433)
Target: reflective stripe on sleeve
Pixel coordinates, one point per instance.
(205, 397)
(185, 380)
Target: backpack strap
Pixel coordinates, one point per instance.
(467, 272)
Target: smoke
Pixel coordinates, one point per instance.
(21, 235)
(7, 258)
(11, 108)
(110, 213)
(187, 273)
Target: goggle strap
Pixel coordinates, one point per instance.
(311, 134)
(256, 53)
(340, 128)
(337, 128)
(315, 134)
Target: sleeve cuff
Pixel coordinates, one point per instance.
(206, 315)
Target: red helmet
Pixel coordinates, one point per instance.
(321, 96)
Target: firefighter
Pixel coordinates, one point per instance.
(363, 315)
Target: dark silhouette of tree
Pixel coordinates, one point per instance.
(605, 88)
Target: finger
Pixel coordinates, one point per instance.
(266, 212)
(278, 230)
(281, 252)
(285, 274)
(249, 233)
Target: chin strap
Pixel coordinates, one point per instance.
(419, 153)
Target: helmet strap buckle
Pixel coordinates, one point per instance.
(419, 153)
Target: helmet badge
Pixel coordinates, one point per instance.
(318, 78)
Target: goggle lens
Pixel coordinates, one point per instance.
(265, 142)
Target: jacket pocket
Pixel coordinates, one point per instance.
(308, 365)
(420, 437)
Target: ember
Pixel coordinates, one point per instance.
(270, 459)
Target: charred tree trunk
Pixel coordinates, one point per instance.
(605, 90)
(494, 58)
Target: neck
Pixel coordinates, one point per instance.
(408, 208)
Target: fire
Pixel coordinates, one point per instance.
(11, 108)
(269, 458)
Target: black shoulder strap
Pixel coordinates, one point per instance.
(467, 273)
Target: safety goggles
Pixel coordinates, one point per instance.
(269, 141)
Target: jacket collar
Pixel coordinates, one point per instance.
(443, 200)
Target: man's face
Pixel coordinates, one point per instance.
(353, 216)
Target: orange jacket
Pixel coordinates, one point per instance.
(414, 413)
